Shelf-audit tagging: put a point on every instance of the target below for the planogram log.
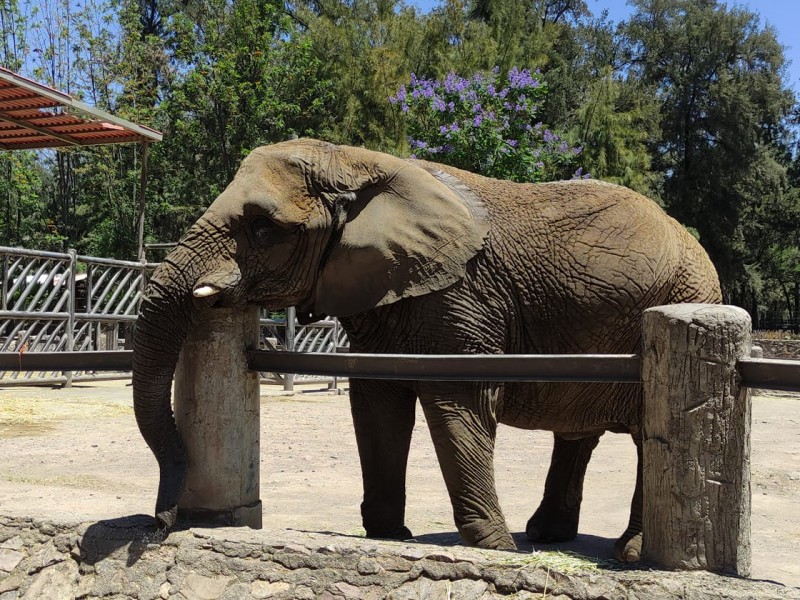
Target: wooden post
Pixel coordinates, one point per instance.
(696, 438)
(217, 413)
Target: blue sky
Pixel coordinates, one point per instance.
(783, 15)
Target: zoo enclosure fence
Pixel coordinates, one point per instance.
(66, 302)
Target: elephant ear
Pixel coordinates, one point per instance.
(407, 235)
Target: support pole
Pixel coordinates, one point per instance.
(217, 413)
(696, 438)
(142, 202)
(291, 319)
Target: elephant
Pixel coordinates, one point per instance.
(416, 257)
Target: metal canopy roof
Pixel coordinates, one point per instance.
(35, 116)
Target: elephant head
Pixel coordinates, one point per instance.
(330, 229)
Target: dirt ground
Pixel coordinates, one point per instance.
(76, 454)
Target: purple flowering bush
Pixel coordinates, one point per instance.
(485, 124)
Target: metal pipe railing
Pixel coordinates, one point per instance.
(761, 373)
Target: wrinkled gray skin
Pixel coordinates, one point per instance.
(416, 257)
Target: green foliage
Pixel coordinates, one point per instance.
(718, 80)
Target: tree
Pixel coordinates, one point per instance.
(717, 75)
(485, 124)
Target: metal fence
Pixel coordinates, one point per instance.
(62, 302)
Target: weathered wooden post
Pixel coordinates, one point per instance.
(217, 413)
(696, 438)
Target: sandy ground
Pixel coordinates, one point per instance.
(76, 454)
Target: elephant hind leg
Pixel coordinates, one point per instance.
(628, 548)
(556, 519)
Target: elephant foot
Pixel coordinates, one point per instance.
(399, 533)
(628, 548)
(487, 534)
(550, 525)
(165, 519)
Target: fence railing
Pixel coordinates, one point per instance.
(65, 302)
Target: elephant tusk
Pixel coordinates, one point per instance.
(205, 291)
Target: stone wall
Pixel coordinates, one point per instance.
(779, 348)
(119, 559)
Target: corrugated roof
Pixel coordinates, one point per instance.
(33, 115)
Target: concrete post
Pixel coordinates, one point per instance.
(217, 413)
(696, 438)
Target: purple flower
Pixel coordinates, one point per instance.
(476, 122)
(579, 174)
(438, 104)
(521, 79)
(512, 143)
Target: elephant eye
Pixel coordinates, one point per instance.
(262, 228)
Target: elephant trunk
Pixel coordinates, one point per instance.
(167, 311)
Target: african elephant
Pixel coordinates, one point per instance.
(416, 257)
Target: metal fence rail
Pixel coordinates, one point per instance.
(760, 373)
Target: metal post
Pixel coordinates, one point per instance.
(73, 271)
(142, 199)
(4, 292)
(291, 317)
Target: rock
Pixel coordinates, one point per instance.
(47, 556)
(466, 589)
(302, 592)
(422, 588)
(14, 543)
(53, 583)
(347, 590)
(368, 566)
(268, 589)
(200, 587)
(9, 559)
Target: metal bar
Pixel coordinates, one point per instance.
(43, 130)
(770, 374)
(49, 381)
(33, 253)
(73, 271)
(55, 316)
(114, 360)
(437, 367)
(113, 262)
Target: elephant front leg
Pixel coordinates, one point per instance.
(556, 519)
(383, 415)
(463, 426)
